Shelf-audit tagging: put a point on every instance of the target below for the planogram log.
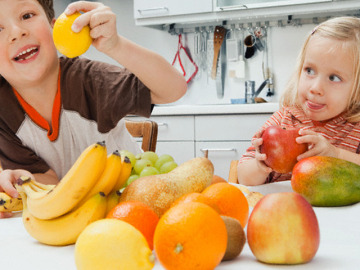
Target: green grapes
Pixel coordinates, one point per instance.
(148, 163)
(168, 167)
(163, 159)
(140, 164)
(149, 171)
(149, 155)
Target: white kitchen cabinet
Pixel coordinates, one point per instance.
(175, 136)
(175, 128)
(161, 13)
(220, 153)
(225, 136)
(228, 127)
(181, 151)
(160, 8)
(223, 5)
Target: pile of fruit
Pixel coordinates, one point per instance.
(180, 213)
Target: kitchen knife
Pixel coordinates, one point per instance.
(221, 71)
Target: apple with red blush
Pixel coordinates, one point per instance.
(283, 229)
(281, 149)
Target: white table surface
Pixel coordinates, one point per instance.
(339, 243)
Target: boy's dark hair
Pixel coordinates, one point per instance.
(48, 7)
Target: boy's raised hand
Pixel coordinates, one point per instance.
(102, 23)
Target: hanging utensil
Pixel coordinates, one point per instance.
(203, 48)
(232, 45)
(219, 35)
(221, 71)
(209, 51)
(184, 63)
(240, 66)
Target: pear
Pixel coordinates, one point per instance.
(160, 191)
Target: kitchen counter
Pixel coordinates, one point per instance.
(215, 109)
(339, 243)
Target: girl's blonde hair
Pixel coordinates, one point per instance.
(345, 29)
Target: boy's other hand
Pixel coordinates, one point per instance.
(101, 20)
(5, 214)
(8, 179)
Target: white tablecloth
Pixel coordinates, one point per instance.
(339, 243)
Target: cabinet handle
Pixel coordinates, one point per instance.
(207, 150)
(162, 124)
(233, 7)
(143, 12)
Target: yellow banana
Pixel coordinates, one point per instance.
(9, 204)
(74, 186)
(64, 230)
(112, 200)
(41, 186)
(31, 190)
(124, 174)
(108, 178)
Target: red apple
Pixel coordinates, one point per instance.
(283, 229)
(281, 149)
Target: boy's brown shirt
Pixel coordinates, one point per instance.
(92, 100)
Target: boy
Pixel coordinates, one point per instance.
(52, 108)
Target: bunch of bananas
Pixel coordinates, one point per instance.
(56, 215)
(9, 204)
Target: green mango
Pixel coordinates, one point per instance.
(327, 181)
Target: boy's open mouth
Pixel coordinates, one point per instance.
(26, 54)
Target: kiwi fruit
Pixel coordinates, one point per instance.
(236, 238)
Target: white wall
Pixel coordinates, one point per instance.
(284, 44)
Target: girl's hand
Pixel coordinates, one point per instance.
(318, 145)
(257, 141)
(102, 23)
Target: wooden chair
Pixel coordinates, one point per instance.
(233, 178)
(147, 130)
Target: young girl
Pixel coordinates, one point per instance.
(322, 98)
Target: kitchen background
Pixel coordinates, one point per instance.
(283, 46)
(204, 121)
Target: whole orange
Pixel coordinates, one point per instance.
(230, 200)
(66, 41)
(190, 236)
(218, 179)
(138, 214)
(196, 197)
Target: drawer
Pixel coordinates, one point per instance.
(180, 151)
(228, 127)
(222, 153)
(175, 128)
(166, 8)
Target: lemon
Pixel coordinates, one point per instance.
(67, 42)
(112, 244)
